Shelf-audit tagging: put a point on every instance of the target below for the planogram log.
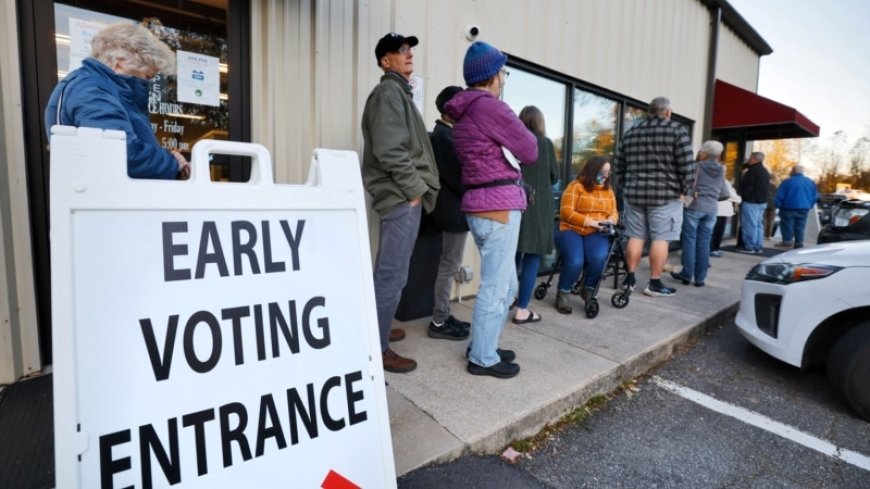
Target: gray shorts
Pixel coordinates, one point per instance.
(658, 223)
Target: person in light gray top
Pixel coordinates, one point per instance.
(700, 216)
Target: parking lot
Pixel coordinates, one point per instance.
(721, 414)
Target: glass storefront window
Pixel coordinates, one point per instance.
(594, 128)
(524, 88)
(176, 124)
(632, 116)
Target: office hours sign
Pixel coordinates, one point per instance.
(212, 335)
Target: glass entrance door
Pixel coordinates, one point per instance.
(212, 40)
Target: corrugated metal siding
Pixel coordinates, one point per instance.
(314, 64)
(736, 62)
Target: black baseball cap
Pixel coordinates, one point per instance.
(391, 43)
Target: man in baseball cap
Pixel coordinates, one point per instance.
(400, 175)
(392, 43)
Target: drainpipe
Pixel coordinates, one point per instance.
(716, 21)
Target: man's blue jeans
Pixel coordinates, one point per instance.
(578, 251)
(695, 240)
(752, 225)
(396, 243)
(792, 224)
(497, 244)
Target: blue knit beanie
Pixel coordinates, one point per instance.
(482, 62)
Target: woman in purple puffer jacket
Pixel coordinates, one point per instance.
(494, 198)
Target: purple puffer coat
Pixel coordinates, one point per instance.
(483, 125)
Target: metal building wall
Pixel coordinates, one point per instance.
(314, 64)
(19, 342)
(736, 62)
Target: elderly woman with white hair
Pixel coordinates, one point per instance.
(699, 216)
(110, 91)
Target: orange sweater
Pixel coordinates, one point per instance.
(578, 207)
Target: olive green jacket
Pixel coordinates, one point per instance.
(398, 162)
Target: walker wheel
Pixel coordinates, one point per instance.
(541, 291)
(619, 300)
(592, 309)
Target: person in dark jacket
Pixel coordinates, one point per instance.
(486, 130)
(794, 198)
(753, 189)
(110, 91)
(699, 217)
(400, 175)
(450, 219)
(536, 226)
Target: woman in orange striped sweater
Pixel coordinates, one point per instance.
(587, 203)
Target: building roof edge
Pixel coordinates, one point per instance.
(738, 24)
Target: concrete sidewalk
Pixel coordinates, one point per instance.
(439, 411)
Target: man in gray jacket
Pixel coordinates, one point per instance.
(400, 174)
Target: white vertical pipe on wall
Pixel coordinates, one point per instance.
(19, 334)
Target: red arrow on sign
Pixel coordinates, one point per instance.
(334, 480)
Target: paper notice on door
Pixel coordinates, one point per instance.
(81, 32)
(416, 83)
(198, 79)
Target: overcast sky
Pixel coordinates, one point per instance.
(820, 63)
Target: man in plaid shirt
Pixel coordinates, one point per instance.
(655, 170)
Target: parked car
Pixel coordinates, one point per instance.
(827, 204)
(811, 306)
(850, 221)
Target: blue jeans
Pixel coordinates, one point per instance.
(695, 238)
(792, 224)
(578, 251)
(497, 244)
(528, 265)
(396, 243)
(752, 225)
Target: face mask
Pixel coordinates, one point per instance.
(600, 178)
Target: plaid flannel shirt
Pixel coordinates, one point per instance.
(654, 163)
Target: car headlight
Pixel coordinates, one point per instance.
(789, 273)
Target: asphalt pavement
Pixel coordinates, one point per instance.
(652, 437)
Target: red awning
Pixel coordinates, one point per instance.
(741, 114)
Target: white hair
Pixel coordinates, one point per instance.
(133, 42)
(659, 105)
(712, 148)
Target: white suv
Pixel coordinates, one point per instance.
(811, 306)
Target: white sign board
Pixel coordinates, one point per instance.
(213, 335)
(198, 78)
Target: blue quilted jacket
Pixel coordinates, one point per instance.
(483, 125)
(95, 96)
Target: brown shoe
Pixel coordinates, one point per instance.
(397, 334)
(395, 363)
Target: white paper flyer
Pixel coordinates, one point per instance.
(198, 79)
